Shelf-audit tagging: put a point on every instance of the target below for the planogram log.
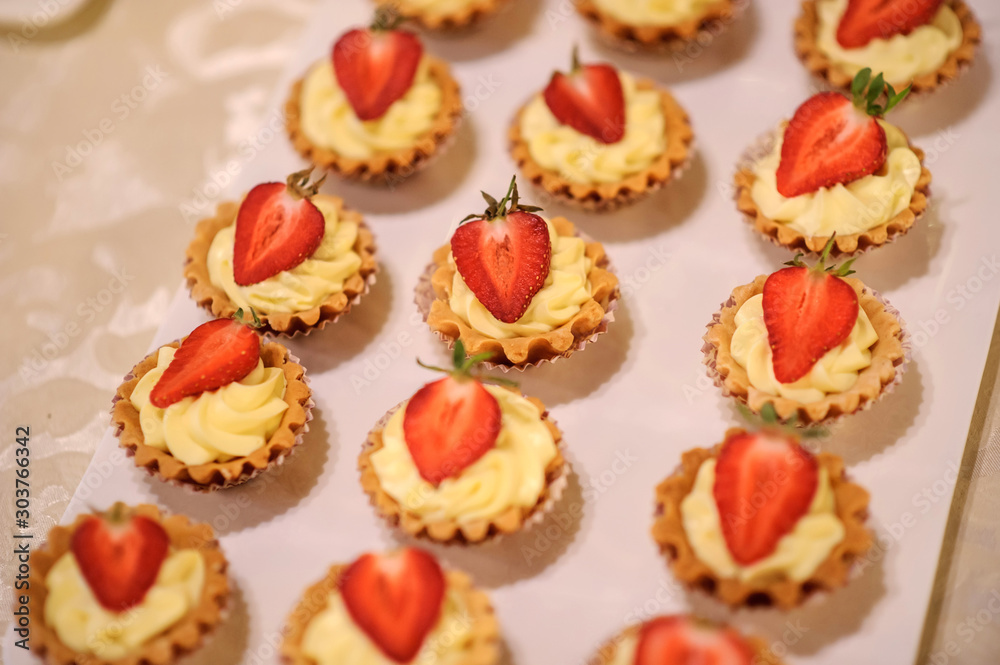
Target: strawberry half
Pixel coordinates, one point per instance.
(119, 558)
(764, 484)
(376, 66)
(277, 228)
(589, 99)
(835, 140)
(395, 599)
(865, 20)
(214, 355)
(504, 255)
(682, 640)
(452, 422)
(807, 312)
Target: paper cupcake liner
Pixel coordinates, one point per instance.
(554, 491)
(198, 488)
(762, 146)
(459, 22)
(711, 352)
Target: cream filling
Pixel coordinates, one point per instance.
(329, 121)
(625, 650)
(798, 554)
(435, 7)
(836, 372)
(510, 475)
(654, 12)
(845, 209)
(82, 624)
(565, 290)
(303, 287)
(583, 159)
(215, 426)
(901, 58)
(332, 637)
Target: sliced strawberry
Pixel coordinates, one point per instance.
(214, 355)
(120, 559)
(395, 599)
(865, 20)
(375, 67)
(681, 640)
(277, 228)
(590, 100)
(764, 483)
(448, 425)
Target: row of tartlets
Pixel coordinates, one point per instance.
(756, 519)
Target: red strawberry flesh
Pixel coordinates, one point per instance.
(375, 68)
(829, 142)
(215, 354)
(806, 314)
(590, 100)
(677, 640)
(504, 261)
(448, 425)
(395, 599)
(275, 231)
(120, 562)
(764, 484)
(865, 20)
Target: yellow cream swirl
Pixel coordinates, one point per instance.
(332, 638)
(303, 287)
(215, 426)
(901, 58)
(654, 12)
(434, 7)
(798, 554)
(82, 624)
(329, 121)
(566, 288)
(835, 372)
(844, 209)
(512, 474)
(583, 159)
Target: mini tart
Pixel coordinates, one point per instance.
(784, 235)
(519, 352)
(472, 13)
(217, 302)
(181, 638)
(656, 37)
(888, 360)
(607, 653)
(668, 531)
(450, 531)
(216, 475)
(817, 62)
(612, 195)
(486, 630)
(386, 167)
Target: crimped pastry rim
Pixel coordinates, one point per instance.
(606, 654)
(474, 12)
(659, 38)
(289, 324)
(668, 532)
(186, 635)
(451, 531)
(390, 167)
(606, 197)
(888, 360)
(561, 342)
(820, 65)
(486, 631)
(216, 475)
(783, 235)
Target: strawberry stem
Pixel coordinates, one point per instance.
(238, 316)
(467, 367)
(499, 209)
(299, 186)
(576, 66)
(768, 419)
(865, 91)
(387, 17)
(840, 271)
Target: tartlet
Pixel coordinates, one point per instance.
(838, 75)
(210, 259)
(424, 13)
(222, 471)
(425, 502)
(652, 117)
(777, 587)
(173, 640)
(626, 33)
(468, 635)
